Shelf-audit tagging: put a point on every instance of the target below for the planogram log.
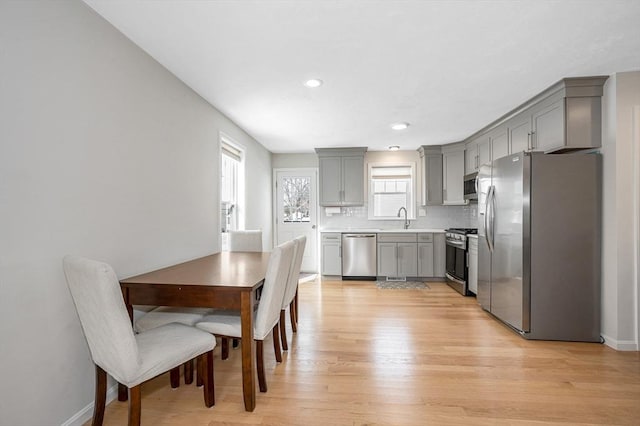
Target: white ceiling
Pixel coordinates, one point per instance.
(447, 67)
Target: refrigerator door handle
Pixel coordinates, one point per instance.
(490, 215)
(485, 228)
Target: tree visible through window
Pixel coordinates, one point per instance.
(296, 197)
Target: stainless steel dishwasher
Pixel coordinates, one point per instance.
(359, 256)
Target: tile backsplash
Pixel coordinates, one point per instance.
(439, 217)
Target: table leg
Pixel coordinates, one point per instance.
(248, 351)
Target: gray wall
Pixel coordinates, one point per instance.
(621, 185)
(103, 153)
(284, 161)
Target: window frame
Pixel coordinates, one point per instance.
(411, 208)
(237, 153)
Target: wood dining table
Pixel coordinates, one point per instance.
(225, 280)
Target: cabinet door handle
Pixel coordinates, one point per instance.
(427, 193)
(530, 144)
(533, 139)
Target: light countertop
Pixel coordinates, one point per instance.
(384, 231)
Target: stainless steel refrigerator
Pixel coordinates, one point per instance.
(539, 233)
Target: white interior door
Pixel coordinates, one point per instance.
(296, 211)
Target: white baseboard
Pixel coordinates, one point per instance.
(86, 413)
(620, 345)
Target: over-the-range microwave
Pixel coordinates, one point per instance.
(471, 186)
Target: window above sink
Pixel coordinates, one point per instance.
(391, 187)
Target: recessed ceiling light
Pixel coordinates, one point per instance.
(314, 82)
(399, 126)
(394, 148)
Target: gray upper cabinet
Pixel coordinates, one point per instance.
(519, 131)
(341, 176)
(565, 117)
(477, 152)
(499, 143)
(431, 169)
(453, 174)
(547, 133)
(330, 181)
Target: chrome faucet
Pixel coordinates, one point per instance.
(406, 221)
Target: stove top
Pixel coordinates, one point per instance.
(463, 231)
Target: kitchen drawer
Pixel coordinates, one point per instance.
(389, 237)
(425, 238)
(331, 237)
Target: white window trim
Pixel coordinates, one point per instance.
(240, 208)
(411, 209)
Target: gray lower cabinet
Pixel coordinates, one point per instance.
(398, 255)
(403, 255)
(439, 255)
(331, 253)
(425, 255)
(407, 259)
(387, 259)
(473, 265)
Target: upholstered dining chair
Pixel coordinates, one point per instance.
(291, 291)
(227, 324)
(163, 315)
(242, 240)
(248, 240)
(129, 358)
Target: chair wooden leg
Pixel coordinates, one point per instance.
(123, 392)
(292, 314)
(262, 381)
(283, 331)
(209, 388)
(199, 372)
(295, 304)
(188, 372)
(174, 375)
(135, 400)
(100, 397)
(276, 343)
(224, 351)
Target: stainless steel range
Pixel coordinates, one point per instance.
(457, 271)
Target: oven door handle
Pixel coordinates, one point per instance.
(452, 278)
(456, 244)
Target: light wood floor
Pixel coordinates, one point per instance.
(364, 356)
